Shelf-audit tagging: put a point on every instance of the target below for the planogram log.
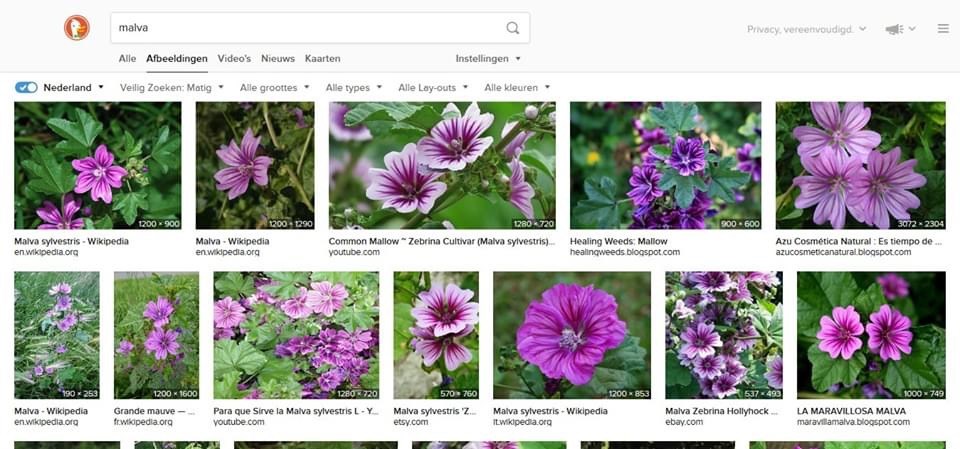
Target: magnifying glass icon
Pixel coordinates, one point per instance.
(513, 27)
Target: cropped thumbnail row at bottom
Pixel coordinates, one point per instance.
(492, 445)
(574, 335)
(486, 165)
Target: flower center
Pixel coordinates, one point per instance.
(98, 172)
(838, 184)
(456, 145)
(571, 340)
(409, 190)
(878, 186)
(838, 137)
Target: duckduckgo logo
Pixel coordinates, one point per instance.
(76, 27)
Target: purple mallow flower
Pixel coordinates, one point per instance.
(404, 185)
(712, 281)
(842, 135)
(456, 141)
(699, 340)
(516, 146)
(774, 373)
(650, 137)
(882, 190)
(446, 310)
(708, 367)
(567, 333)
(125, 347)
(688, 156)
(162, 343)
(840, 336)
(724, 386)
(828, 186)
(243, 165)
(339, 129)
(228, 313)
(326, 298)
(521, 194)
(432, 347)
(62, 217)
(893, 286)
(159, 311)
(888, 333)
(645, 181)
(296, 307)
(67, 322)
(98, 175)
(747, 163)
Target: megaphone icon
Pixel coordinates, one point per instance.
(895, 29)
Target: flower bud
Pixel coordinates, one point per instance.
(553, 118)
(348, 213)
(531, 112)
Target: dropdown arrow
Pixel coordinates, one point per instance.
(548, 86)
(221, 86)
(379, 86)
(863, 28)
(100, 85)
(518, 58)
(912, 28)
(306, 86)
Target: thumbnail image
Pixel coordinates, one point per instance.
(489, 445)
(857, 165)
(57, 335)
(315, 445)
(296, 335)
(436, 336)
(848, 445)
(657, 445)
(156, 344)
(97, 165)
(255, 165)
(572, 335)
(66, 445)
(871, 335)
(724, 335)
(665, 165)
(176, 445)
(487, 165)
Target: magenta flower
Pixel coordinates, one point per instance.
(893, 286)
(881, 190)
(98, 175)
(61, 218)
(61, 288)
(455, 142)
(840, 336)
(888, 333)
(339, 129)
(446, 310)
(296, 307)
(159, 311)
(842, 134)
(828, 187)
(326, 298)
(516, 146)
(357, 341)
(63, 303)
(747, 163)
(713, 281)
(125, 347)
(645, 181)
(688, 156)
(67, 322)
(724, 386)
(708, 367)
(228, 313)
(774, 373)
(330, 380)
(521, 194)
(403, 185)
(650, 137)
(699, 340)
(162, 343)
(431, 347)
(243, 165)
(567, 333)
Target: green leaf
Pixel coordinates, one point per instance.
(536, 159)
(128, 204)
(48, 175)
(675, 117)
(79, 134)
(166, 151)
(685, 187)
(129, 147)
(234, 285)
(725, 179)
(397, 118)
(869, 300)
(287, 283)
(662, 151)
(600, 209)
(818, 294)
(226, 386)
(402, 322)
(677, 374)
(229, 355)
(913, 371)
(353, 317)
(621, 369)
(276, 369)
(827, 371)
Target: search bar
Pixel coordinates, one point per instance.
(319, 28)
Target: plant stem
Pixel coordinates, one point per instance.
(223, 208)
(787, 193)
(266, 118)
(303, 152)
(512, 388)
(298, 186)
(415, 220)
